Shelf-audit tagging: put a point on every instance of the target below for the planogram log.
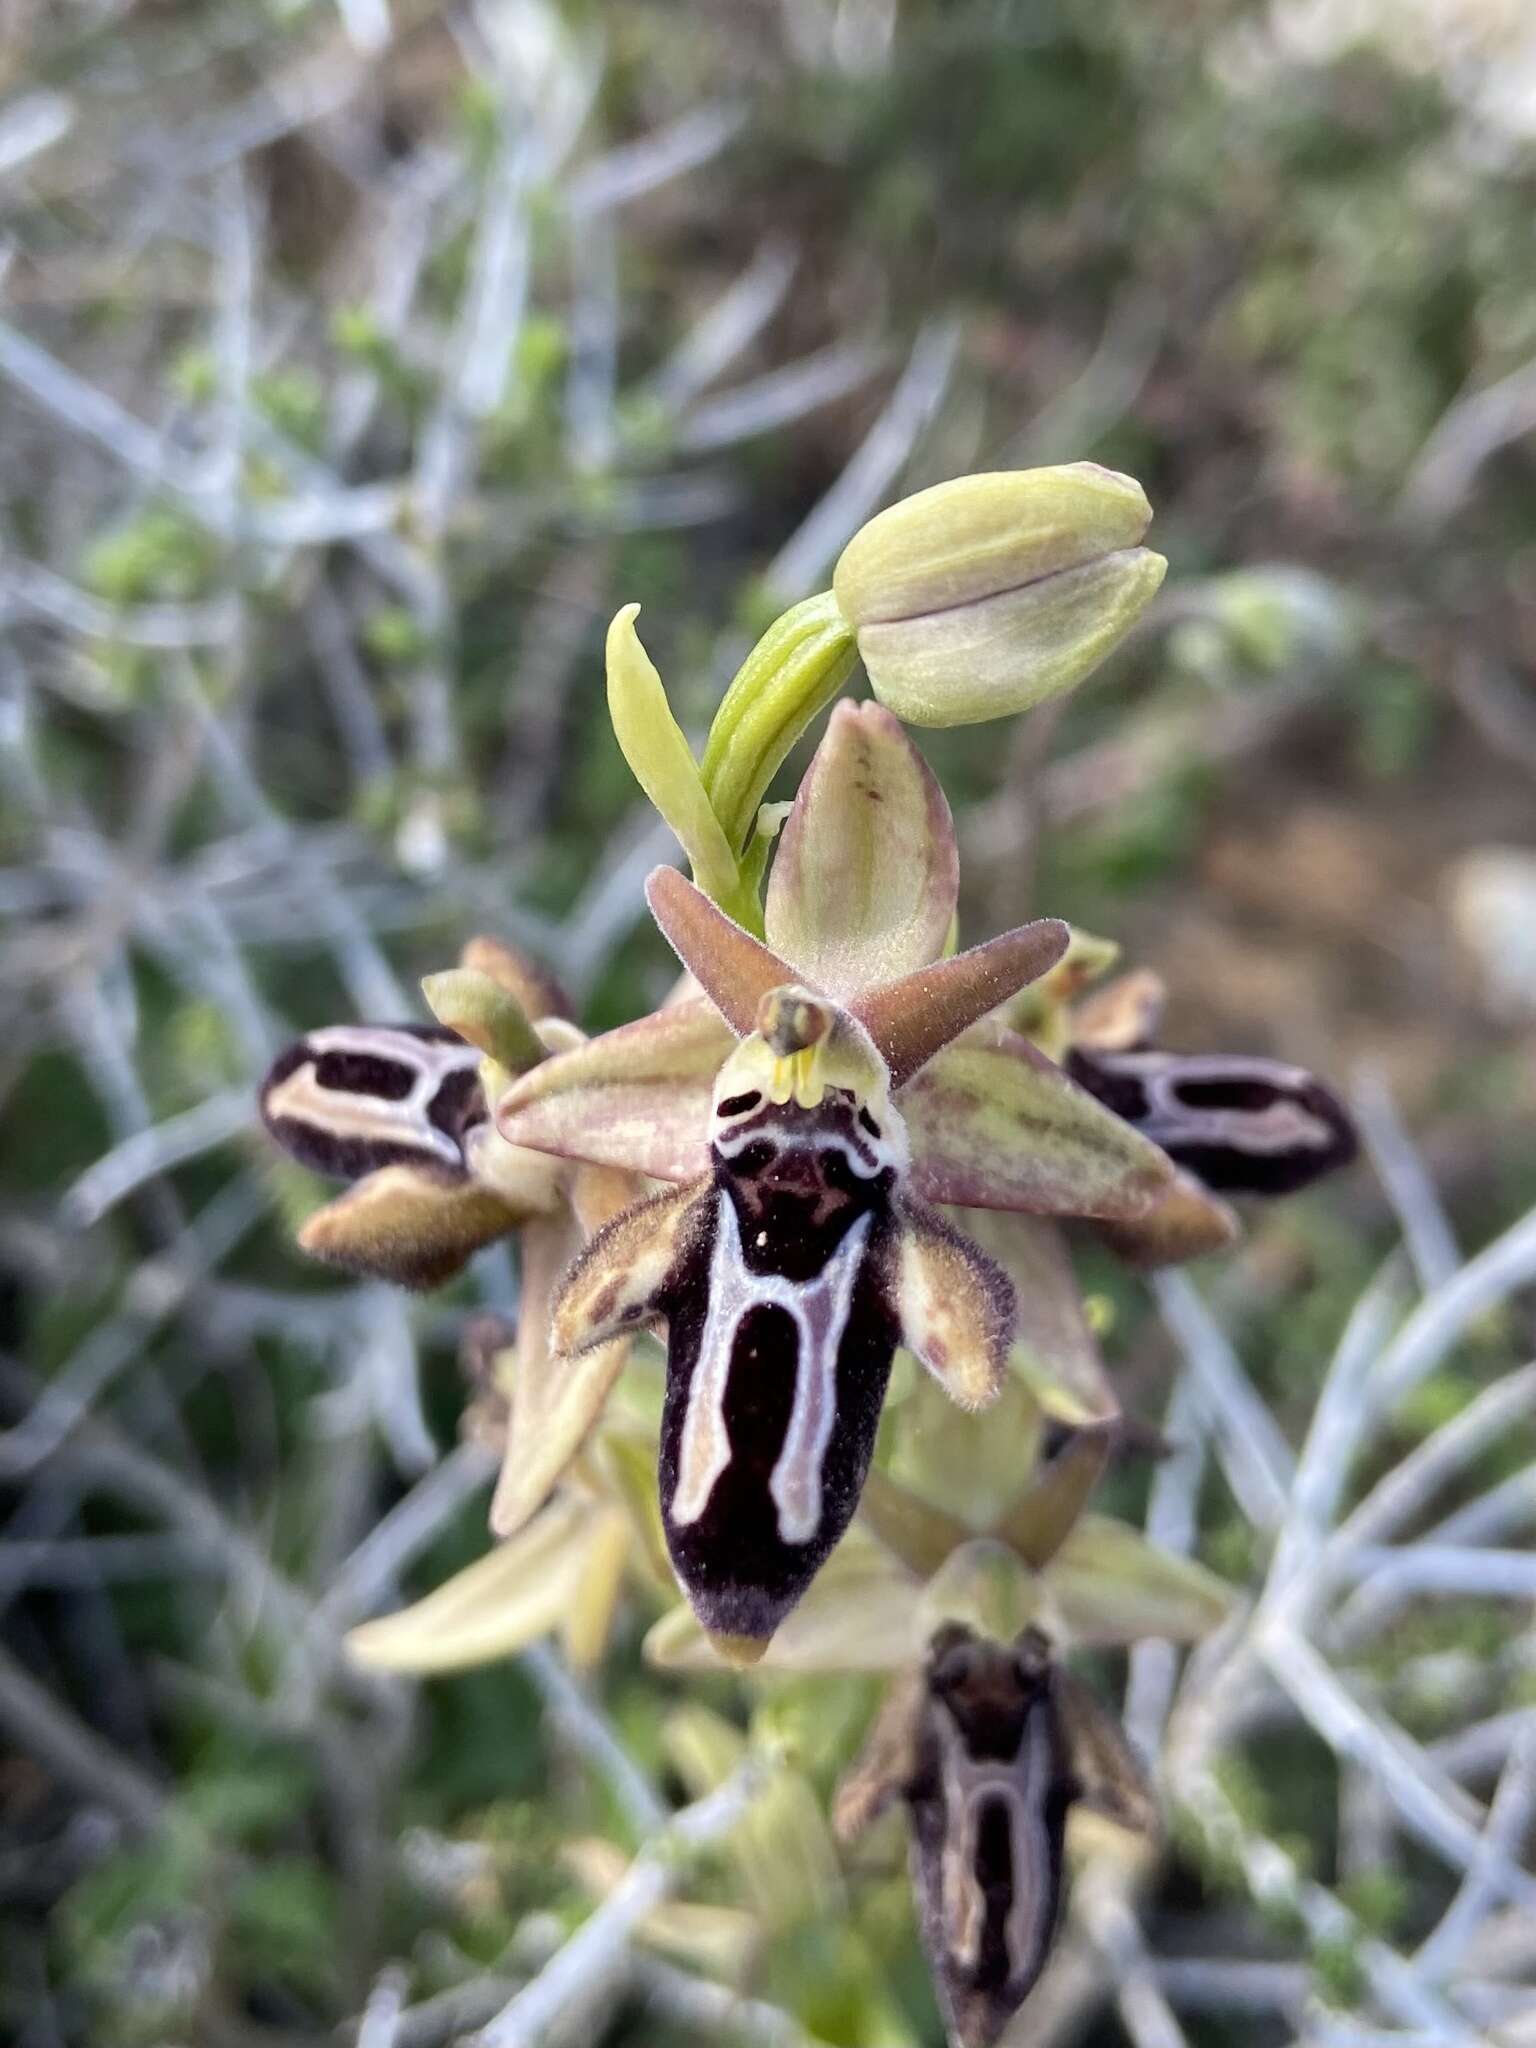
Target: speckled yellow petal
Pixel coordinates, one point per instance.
(955, 1305)
(611, 1286)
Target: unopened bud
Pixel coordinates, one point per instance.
(986, 595)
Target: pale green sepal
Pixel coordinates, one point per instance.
(500, 1604)
(867, 875)
(793, 672)
(483, 1013)
(1111, 1586)
(662, 761)
(994, 1125)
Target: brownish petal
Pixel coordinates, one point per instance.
(996, 1125)
(532, 986)
(921, 1535)
(912, 1019)
(955, 1305)
(637, 1097)
(1038, 1525)
(734, 970)
(611, 1286)
(867, 872)
(400, 1225)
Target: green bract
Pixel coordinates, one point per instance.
(663, 763)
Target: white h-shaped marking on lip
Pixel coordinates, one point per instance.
(376, 1119)
(819, 1309)
(1020, 1788)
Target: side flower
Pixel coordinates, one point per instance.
(402, 1113)
(990, 1746)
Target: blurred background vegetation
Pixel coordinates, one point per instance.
(358, 358)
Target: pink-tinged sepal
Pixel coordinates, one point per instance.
(637, 1097)
(1185, 1222)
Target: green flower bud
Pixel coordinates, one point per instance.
(988, 594)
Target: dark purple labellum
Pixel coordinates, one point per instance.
(350, 1098)
(989, 1747)
(992, 1784)
(781, 1331)
(1242, 1126)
